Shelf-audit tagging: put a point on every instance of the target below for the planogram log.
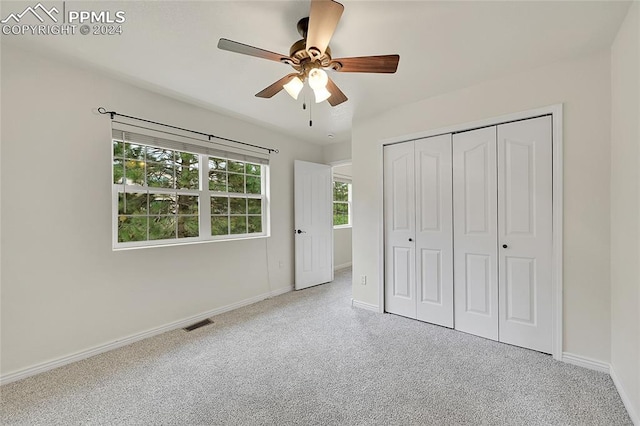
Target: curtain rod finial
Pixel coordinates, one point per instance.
(102, 110)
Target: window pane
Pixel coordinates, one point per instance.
(341, 208)
(238, 205)
(188, 178)
(188, 226)
(217, 163)
(253, 185)
(162, 204)
(162, 227)
(118, 149)
(132, 228)
(239, 225)
(255, 224)
(340, 220)
(340, 213)
(340, 191)
(187, 159)
(159, 155)
(134, 171)
(219, 225)
(219, 205)
(160, 175)
(118, 171)
(217, 181)
(187, 204)
(236, 166)
(132, 203)
(134, 152)
(252, 169)
(236, 183)
(254, 206)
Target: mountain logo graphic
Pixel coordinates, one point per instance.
(34, 11)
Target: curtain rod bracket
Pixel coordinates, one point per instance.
(103, 111)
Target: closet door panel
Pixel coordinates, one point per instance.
(399, 217)
(525, 213)
(475, 232)
(434, 228)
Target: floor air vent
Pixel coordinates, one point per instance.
(198, 325)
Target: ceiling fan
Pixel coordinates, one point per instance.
(311, 55)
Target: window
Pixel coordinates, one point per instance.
(341, 204)
(164, 195)
(236, 203)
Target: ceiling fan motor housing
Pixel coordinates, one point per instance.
(300, 55)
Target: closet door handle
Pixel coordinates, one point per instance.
(504, 246)
(410, 239)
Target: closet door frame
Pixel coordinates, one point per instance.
(556, 112)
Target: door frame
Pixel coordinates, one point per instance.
(556, 112)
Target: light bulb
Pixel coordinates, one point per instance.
(294, 87)
(322, 94)
(318, 79)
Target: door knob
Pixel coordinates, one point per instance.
(300, 231)
(410, 239)
(504, 246)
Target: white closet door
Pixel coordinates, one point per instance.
(475, 232)
(400, 213)
(525, 213)
(434, 228)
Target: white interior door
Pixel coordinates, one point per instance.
(313, 224)
(525, 228)
(399, 234)
(475, 232)
(434, 230)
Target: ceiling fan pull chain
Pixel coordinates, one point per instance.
(310, 121)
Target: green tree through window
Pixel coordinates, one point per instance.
(341, 203)
(159, 194)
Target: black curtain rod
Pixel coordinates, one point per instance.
(102, 110)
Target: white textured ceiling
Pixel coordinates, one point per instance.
(170, 47)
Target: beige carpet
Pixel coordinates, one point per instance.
(309, 358)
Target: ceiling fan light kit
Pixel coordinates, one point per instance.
(294, 87)
(311, 55)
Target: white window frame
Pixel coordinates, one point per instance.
(348, 203)
(204, 204)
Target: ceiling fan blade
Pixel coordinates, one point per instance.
(323, 19)
(337, 97)
(245, 49)
(375, 64)
(268, 92)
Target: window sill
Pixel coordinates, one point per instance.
(342, 226)
(186, 243)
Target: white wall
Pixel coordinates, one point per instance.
(63, 289)
(584, 87)
(625, 210)
(341, 247)
(336, 152)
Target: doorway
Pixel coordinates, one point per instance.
(342, 217)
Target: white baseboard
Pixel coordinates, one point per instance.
(59, 362)
(626, 400)
(362, 305)
(342, 266)
(276, 292)
(604, 367)
(583, 361)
